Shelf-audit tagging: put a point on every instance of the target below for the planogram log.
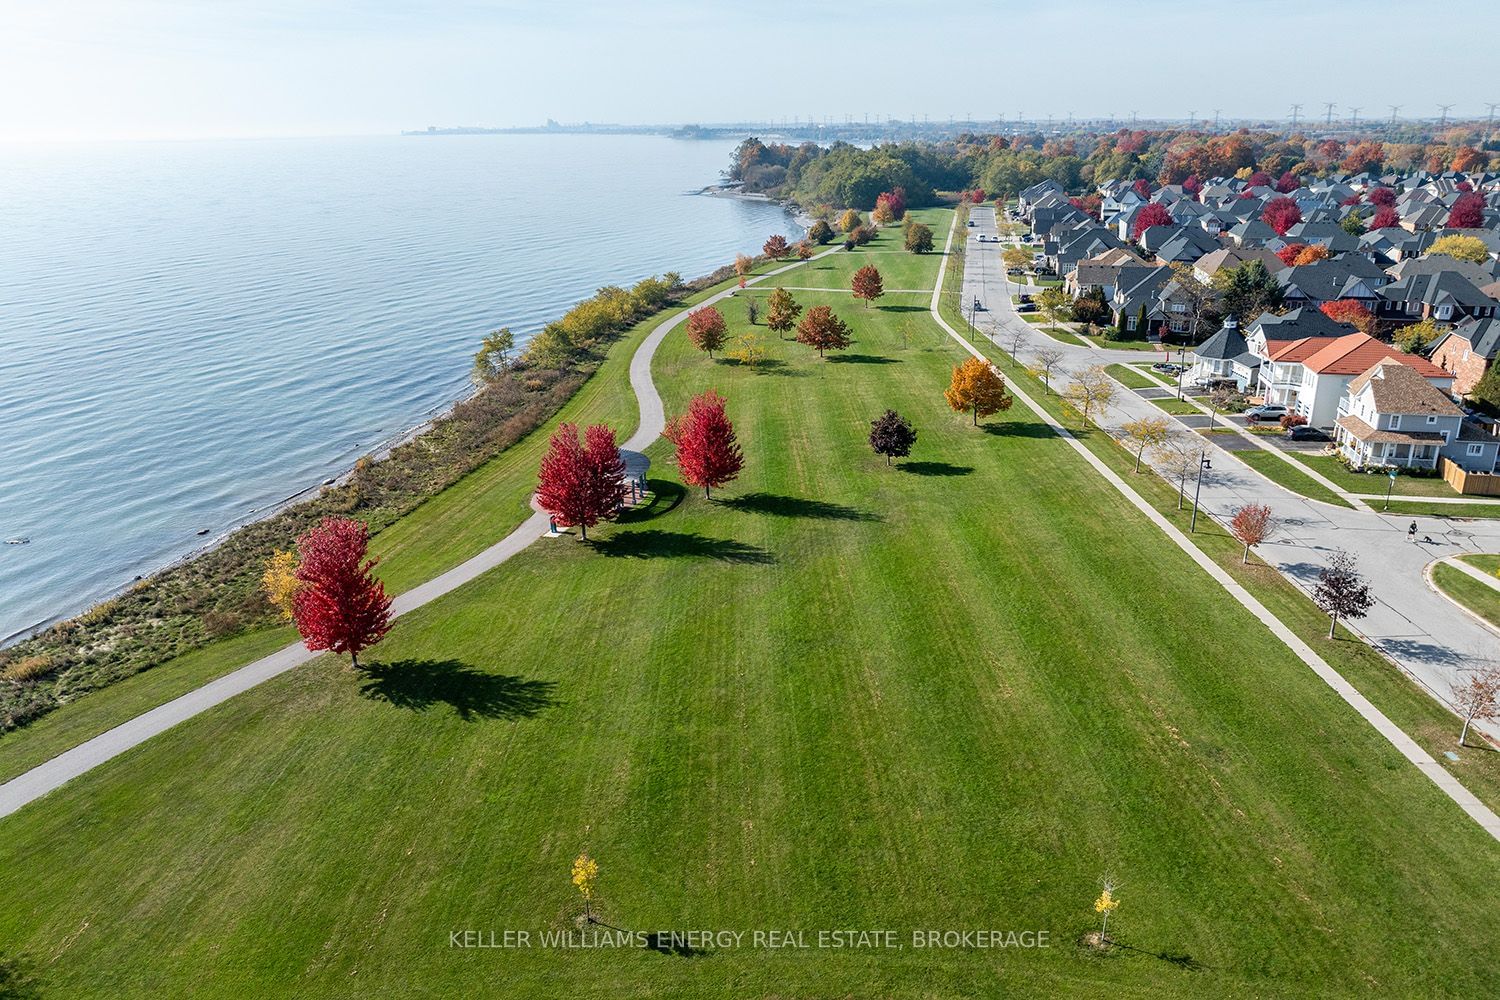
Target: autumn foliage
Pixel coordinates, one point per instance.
(979, 388)
(1467, 212)
(1251, 524)
(706, 329)
(782, 311)
(707, 452)
(1310, 254)
(1281, 214)
(1382, 196)
(1151, 215)
(1288, 253)
(339, 605)
(1288, 183)
(1351, 312)
(1384, 218)
(890, 206)
(892, 436)
(867, 284)
(776, 246)
(581, 483)
(821, 329)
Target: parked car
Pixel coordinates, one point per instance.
(1167, 367)
(1305, 433)
(1025, 307)
(971, 222)
(1265, 411)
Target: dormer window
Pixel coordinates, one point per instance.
(1395, 421)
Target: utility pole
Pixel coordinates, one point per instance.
(1354, 117)
(1444, 108)
(1296, 113)
(1330, 105)
(1192, 118)
(1132, 119)
(1394, 108)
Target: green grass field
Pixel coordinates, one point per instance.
(1455, 510)
(1129, 378)
(1119, 345)
(1177, 407)
(1478, 597)
(1332, 469)
(947, 695)
(1279, 471)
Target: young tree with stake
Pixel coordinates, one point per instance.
(1178, 457)
(1091, 389)
(1341, 591)
(1251, 524)
(1477, 696)
(1047, 360)
(892, 436)
(339, 606)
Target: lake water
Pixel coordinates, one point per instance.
(192, 331)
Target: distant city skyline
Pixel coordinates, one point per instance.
(163, 69)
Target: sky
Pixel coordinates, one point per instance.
(130, 69)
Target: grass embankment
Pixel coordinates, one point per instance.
(1477, 596)
(840, 695)
(461, 521)
(1100, 340)
(1177, 407)
(1459, 510)
(1130, 378)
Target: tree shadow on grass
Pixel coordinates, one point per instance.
(419, 685)
(665, 496)
(1182, 960)
(781, 506)
(18, 978)
(672, 943)
(1019, 429)
(902, 309)
(678, 545)
(862, 359)
(935, 469)
(775, 366)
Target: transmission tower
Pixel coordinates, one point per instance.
(1444, 108)
(1394, 108)
(1216, 119)
(1296, 112)
(1490, 121)
(1354, 117)
(1330, 106)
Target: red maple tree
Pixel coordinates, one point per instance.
(1467, 212)
(1252, 524)
(977, 195)
(1288, 183)
(1288, 253)
(821, 329)
(706, 329)
(1382, 196)
(1142, 187)
(1152, 215)
(891, 204)
(776, 246)
(340, 606)
(867, 284)
(1352, 312)
(1259, 179)
(707, 452)
(1281, 214)
(581, 483)
(1192, 185)
(1384, 218)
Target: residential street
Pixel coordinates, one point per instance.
(1430, 637)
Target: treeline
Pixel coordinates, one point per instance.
(218, 594)
(846, 176)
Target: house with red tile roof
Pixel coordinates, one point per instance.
(1311, 375)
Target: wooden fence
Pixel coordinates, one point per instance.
(1471, 483)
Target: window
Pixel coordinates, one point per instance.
(1179, 307)
(1395, 421)
(1431, 419)
(1474, 449)
(1130, 323)
(1178, 325)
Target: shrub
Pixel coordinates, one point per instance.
(27, 668)
(1290, 420)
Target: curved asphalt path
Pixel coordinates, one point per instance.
(44, 778)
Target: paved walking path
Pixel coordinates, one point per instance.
(1424, 762)
(1418, 629)
(46, 777)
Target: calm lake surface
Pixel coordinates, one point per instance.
(193, 331)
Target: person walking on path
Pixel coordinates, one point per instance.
(1411, 532)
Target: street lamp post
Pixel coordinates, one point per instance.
(974, 314)
(1203, 465)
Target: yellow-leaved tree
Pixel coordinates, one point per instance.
(1459, 247)
(1106, 904)
(585, 874)
(979, 388)
(1146, 432)
(279, 580)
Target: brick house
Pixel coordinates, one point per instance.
(1467, 351)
